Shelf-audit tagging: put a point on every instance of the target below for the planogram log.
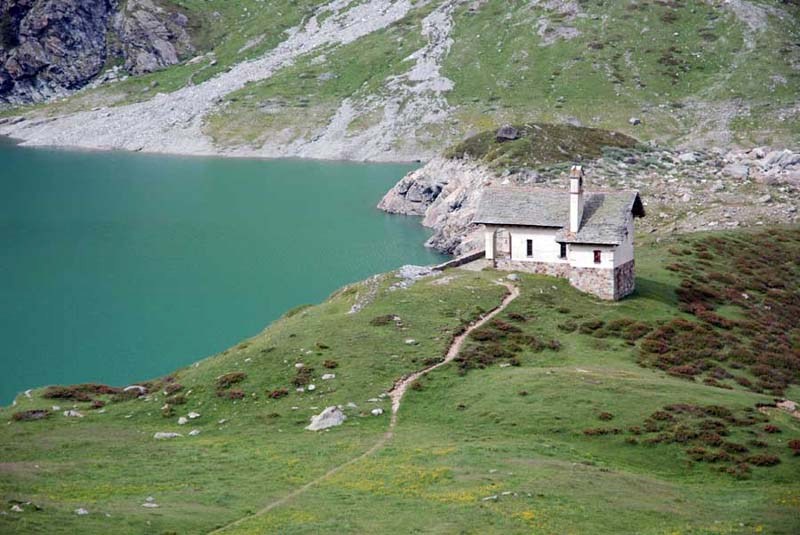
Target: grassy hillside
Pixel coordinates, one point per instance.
(707, 72)
(564, 414)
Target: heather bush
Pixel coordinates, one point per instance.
(172, 388)
(229, 379)
(231, 394)
(30, 415)
(278, 393)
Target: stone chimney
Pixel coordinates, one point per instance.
(575, 198)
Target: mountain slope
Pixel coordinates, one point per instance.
(564, 414)
(389, 80)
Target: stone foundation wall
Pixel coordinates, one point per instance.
(596, 281)
(539, 268)
(624, 280)
(605, 283)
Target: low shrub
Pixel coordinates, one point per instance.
(598, 431)
(770, 428)
(330, 364)
(278, 393)
(231, 394)
(97, 404)
(31, 415)
(739, 470)
(172, 388)
(589, 327)
(177, 399)
(303, 377)
(514, 316)
(81, 392)
(229, 379)
(379, 321)
(794, 445)
(763, 460)
(567, 326)
(417, 386)
(662, 416)
(605, 416)
(733, 447)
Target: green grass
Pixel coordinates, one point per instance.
(462, 436)
(539, 145)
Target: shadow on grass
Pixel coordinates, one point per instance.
(655, 290)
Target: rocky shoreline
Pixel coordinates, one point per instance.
(682, 191)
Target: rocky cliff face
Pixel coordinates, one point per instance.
(445, 193)
(49, 48)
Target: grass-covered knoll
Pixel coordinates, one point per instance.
(539, 145)
(548, 423)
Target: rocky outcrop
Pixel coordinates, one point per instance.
(49, 48)
(445, 193)
(151, 37)
(684, 192)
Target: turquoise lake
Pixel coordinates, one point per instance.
(118, 267)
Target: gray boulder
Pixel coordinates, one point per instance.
(330, 417)
(736, 170)
(507, 133)
(164, 436)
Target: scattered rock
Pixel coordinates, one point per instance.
(410, 274)
(311, 388)
(193, 415)
(183, 420)
(330, 417)
(150, 505)
(634, 121)
(194, 432)
(328, 376)
(81, 511)
(765, 198)
(512, 277)
(142, 390)
(736, 170)
(376, 412)
(411, 342)
(73, 414)
(507, 133)
(164, 435)
(17, 509)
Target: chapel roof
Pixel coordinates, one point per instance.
(605, 214)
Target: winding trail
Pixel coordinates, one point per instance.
(396, 395)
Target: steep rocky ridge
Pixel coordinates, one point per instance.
(53, 47)
(400, 80)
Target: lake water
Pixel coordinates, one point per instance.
(118, 267)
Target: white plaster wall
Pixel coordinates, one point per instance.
(545, 247)
(489, 242)
(583, 256)
(624, 252)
